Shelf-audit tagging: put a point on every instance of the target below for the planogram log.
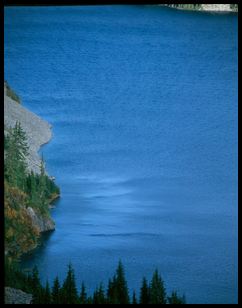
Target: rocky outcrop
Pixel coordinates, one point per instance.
(219, 8)
(15, 296)
(42, 224)
(37, 130)
(216, 7)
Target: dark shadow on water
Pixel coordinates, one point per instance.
(38, 252)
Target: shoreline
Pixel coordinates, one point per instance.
(205, 8)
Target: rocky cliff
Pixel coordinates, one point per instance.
(42, 224)
(38, 132)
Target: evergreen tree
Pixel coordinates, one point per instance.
(121, 284)
(56, 296)
(157, 290)
(101, 295)
(14, 277)
(36, 287)
(95, 298)
(47, 294)
(69, 290)
(22, 141)
(144, 293)
(42, 182)
(112, 292)
(175, 299)
(117, 292)
(15, 167)
(134, 300)
(35, 277)
(154, 294)
(83, 294)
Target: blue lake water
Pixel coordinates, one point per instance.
(143, 104)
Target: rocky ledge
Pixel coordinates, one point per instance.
(15, 296)
(42, 224)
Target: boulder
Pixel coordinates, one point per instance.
(16, 296)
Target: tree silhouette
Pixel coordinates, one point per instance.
(152, 293)
(134, 300)
(69, 290)
(157, 290)
(175, 299)
(83, 294)
(37, 289)
(112, 292)
(15, 167)
(56, 293)
(144, 293)
(121, 285)
(47, 294)
(99, 296)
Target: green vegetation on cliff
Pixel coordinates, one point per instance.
(11, 93)
(23, 189)
(117, 291)
(186, 6)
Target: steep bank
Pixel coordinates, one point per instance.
(25, 207)
(37, 130)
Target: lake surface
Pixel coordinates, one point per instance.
(143, 103)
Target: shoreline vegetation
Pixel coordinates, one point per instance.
(28, 190)
(27, 198)
(215, 8)
(53, 199)
(116, 292)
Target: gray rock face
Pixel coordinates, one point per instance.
(216, 7)
(37, 130)
(15, 296)
(40, 223)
